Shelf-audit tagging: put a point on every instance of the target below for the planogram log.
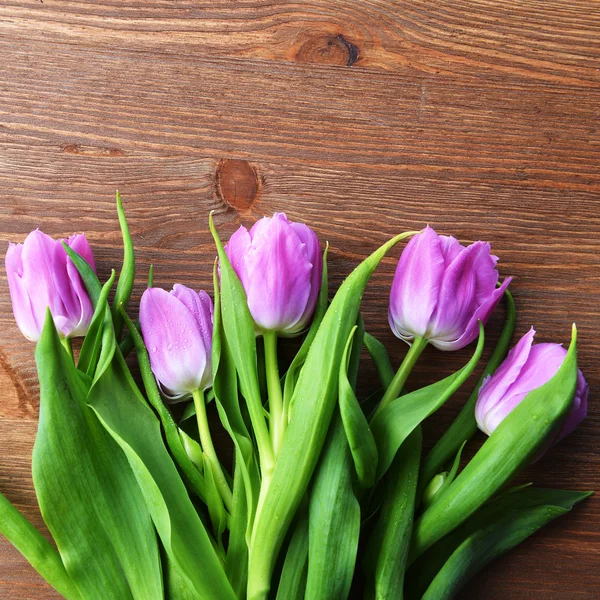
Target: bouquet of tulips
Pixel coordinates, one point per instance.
(323, 495)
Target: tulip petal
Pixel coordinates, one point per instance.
(80, 299)
(494, 388)
(450, 248)
(415, 289)
(578, 411)
(482, 314)
(467, 282)
(314, 256)
(237, 248)
(177, 352)
(21, 303)
(279, 275)
(201, 307)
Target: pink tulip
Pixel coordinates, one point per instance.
(526, 368)
(177, 330)
(279, 264)
(441, 290)
(42, 276)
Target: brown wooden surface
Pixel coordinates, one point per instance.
(362, 118)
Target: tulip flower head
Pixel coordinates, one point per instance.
(42, 276)
(526, 368)
(177, 330)
(279, 264)
(441, 289)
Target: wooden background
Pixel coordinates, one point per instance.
(362, 118)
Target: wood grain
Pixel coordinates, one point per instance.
(362, 118)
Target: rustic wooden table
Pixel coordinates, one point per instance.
(362, 118)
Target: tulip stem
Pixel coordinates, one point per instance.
(209, 449)
(397, 383)
(274, 389)
(67, 345)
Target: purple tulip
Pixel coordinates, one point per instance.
(42, 276)
(526, 368)
(177, 330)
(441, 290)
(279, 264)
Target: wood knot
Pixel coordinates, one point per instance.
(238, 183)
(328, 50)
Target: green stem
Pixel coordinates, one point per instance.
(67, 345)
(395, 387)
(209, 449)
(278, 418)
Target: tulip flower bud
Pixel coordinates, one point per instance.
(279, 263)
(441, 289)
(177, 330)
(433, 488)
(42, 276)
(526, 368)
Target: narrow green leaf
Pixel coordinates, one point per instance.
(334, 521)
(124, 413)
(292, 583)
(360, 439)
(40, 554)
(381, 359)
(87, 493)
(90, 349)
(464, 426)
(239, 330)
(389, 542)
(227, 400)
(486, 544)
(127, 274)
(392, 425)
(236, 562)
(313, 403)
(522, 498)
(510, 447)
(90, 279)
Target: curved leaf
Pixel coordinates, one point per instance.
(360, 439)
(510, 447)
(394, 423)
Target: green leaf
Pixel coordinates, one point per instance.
(510, 447)
(334, 521)
(92, 344)
(464, 426)
(380, 357)
(190, 471)
(239, 330)
(389, 542)
(292, 583)
(90, 279)
(127, 274)
(124, 413)
(40, 554)
(360, 439)
(313, 403)
(494, 532)
(87, 493)
(228, 406)
(394, 423)
(236, 562)
(291, 376)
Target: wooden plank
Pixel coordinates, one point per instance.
(362, 118)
